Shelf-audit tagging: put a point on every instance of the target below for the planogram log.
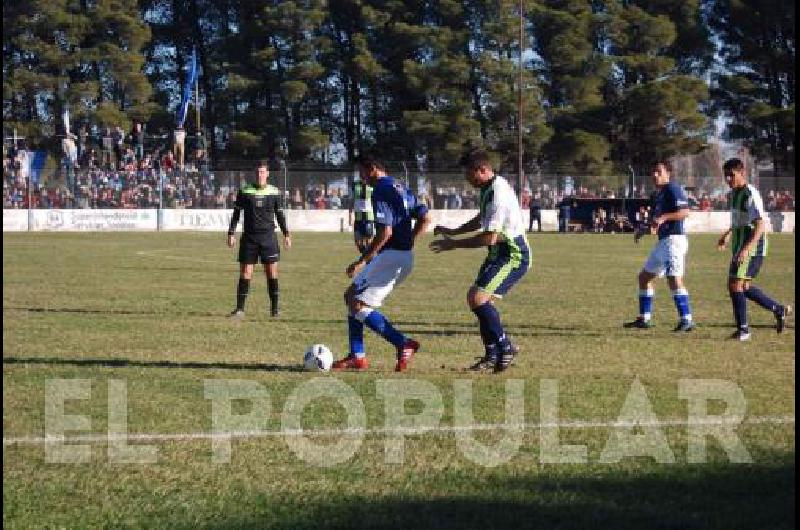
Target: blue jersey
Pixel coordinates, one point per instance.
(670, 198)
(394, 205)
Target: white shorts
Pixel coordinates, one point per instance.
(375, 281)
(668, 256)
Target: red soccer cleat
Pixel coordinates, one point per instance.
(404, 354)
(351, 363)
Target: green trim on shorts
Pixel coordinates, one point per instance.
(500, 277)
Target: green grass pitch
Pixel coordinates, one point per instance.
(149, 310)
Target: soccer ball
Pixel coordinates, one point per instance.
(318, 357)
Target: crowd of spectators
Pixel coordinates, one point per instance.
(109, 168)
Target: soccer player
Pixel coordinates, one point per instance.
(361, 215)
(261, 203)
(386, 262)
(502, 230)
(668, 257)
(749, 250)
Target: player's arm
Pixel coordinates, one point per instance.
(382, 236)
(422, 219)
(679, 215)
(724, 238)
(470, 226)
(281, 218)
(483, 239)
(237, 210)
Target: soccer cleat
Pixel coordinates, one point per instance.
(404, 354)
(236, 313)
(484, 363)
(351, 363)
(780, 317)
(742, 335)
(684, 326)
(504, 358)
(639, 323)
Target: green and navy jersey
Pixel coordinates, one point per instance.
(261, 207)
(362, 202)
(670, 199)
(500, 212)
(746, 208)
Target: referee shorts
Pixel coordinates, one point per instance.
(255, 247)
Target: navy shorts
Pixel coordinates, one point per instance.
(500, 273)
(746, 270)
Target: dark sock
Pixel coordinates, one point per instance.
(760, 297)
(273, 291)
(740, 309)
(241, 293)
(488, 345)
(489, 317)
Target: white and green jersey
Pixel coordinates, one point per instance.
(500, 212)
(747, 207)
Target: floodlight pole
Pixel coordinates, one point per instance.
(519, 100)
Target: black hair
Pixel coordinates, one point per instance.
(734, 164)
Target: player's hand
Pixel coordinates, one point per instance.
(442, 245)
(354, 268)
(231, 241)
(287, 241)
(722, 243)
(742, 255)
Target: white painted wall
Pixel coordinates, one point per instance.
(298, 220)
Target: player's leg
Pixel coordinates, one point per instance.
(370, 287)
(654, 267)
(780, 311)
(273, 289)
(270, 253)
(646, 295)
(357, 359)
(680, 296)
(676, 267)
(496, 277)
(243, 287)
(736, 289)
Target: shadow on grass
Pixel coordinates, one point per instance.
(86, 311)
(463, 328)
(697, 497)
(128, 363)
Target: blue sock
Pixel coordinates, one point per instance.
(381, 325)
(740, 310)
(760, 297)
(681, 297)
(646, 304)
(489, 317)
(356, 334)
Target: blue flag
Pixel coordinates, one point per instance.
(191, 77)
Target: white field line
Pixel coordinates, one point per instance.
(438, 429)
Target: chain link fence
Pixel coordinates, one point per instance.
(105, 181)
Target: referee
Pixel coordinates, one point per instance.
(261, 204)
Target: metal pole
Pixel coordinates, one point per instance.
(285, 182)
(197, 104)
(519, 99)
